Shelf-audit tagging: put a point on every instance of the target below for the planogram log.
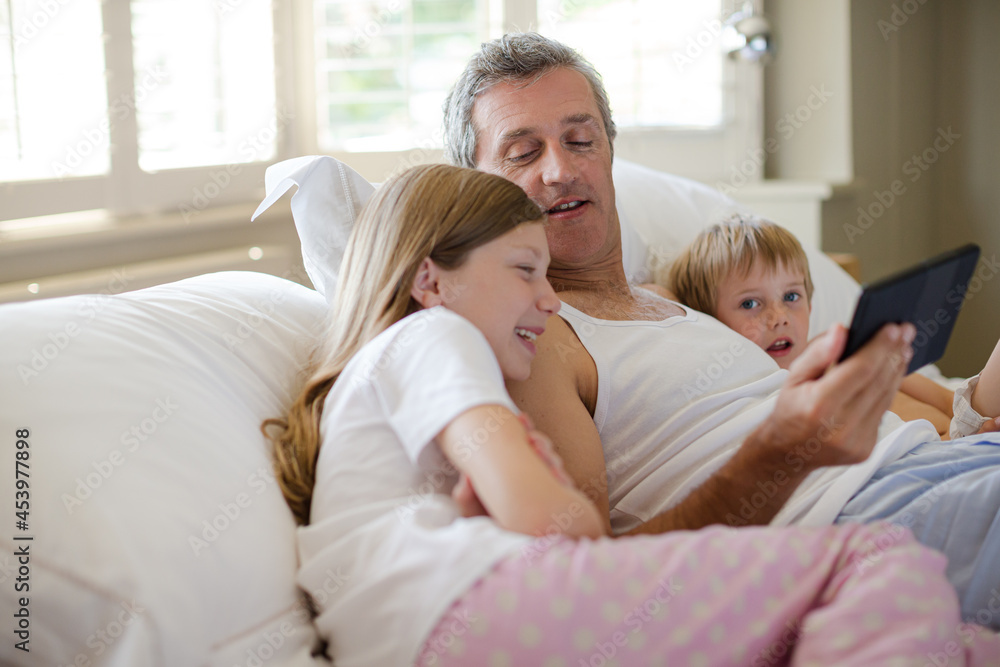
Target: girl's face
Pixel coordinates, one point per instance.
(768, 306)
(502, 289)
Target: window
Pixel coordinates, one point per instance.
(160, 105)
(150, 105)
(384, 68)
(680, 105)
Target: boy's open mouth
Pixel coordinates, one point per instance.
(780, 345)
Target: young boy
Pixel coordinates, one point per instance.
(753, 276)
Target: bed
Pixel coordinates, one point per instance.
(142, 524)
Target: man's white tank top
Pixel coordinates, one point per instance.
(675, 399)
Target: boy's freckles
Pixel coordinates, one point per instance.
(769, 307)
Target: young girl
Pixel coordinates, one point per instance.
(753, 276)
(440, 529)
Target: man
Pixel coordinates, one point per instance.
(608, 385)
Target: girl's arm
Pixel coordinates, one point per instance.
(491, 446)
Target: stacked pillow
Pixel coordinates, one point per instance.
(160, 536)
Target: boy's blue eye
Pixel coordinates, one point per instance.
(748, 304)
(793, 296)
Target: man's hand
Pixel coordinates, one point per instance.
(837, 406)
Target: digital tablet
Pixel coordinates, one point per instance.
(929, 295)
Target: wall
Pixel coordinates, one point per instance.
(912, 155)
(808, 92)
(969, 188)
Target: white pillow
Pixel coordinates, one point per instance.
(160, 534)
(329, 197)
(662, 213)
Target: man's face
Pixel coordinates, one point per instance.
(547, 136)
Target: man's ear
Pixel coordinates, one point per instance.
(426, 289)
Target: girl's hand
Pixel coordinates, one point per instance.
(515, 478)
(543, 447)
(465, 497)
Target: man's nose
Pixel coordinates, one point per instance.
(557, 166)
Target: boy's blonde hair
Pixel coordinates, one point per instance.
(735, 244)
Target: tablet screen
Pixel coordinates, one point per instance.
(929, 295)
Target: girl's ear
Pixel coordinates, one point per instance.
(426, 288)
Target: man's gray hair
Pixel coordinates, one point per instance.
(515, 57)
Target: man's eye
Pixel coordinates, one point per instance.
(748, 304)
(581, 144)
(522, 157)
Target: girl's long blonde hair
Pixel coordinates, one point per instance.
(435, 211)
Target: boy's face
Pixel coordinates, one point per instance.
(768, 306)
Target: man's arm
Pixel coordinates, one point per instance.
(839, 408)
(824, 416)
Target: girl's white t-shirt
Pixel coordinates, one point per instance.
(387, 551)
